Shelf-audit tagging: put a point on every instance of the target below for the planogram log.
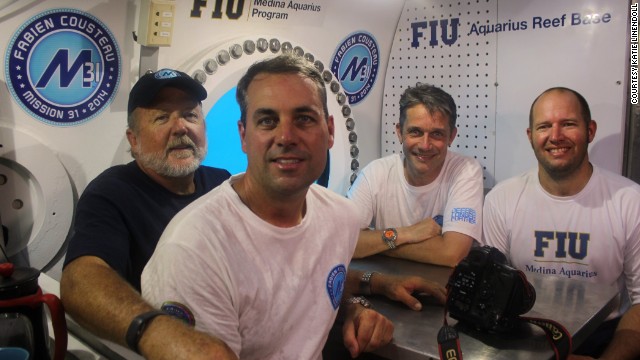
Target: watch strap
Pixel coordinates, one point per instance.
(138, 326)
(359, 300)
(365, 282)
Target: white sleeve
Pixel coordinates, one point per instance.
(495, 232)
(180, 274)
(632, 250)
(360, 193)
(463, 212)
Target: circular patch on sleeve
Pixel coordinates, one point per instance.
(335, 284)
(180, 311)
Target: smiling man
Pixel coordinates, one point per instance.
(426, 203)
(261, 261)
(569, 218)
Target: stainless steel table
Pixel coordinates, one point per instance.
(578, 305)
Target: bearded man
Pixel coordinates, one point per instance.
(122, 213)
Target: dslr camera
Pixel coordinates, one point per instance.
(485, 292)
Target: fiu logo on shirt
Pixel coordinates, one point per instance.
(566, 244)
(335, 284)
(63, 66)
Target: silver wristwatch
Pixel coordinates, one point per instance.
(365, 283)
(389, 236)
(359, 300)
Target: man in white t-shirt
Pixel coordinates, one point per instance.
(572, 219)
(261, 262)
(426, 203)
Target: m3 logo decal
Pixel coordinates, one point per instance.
(355, 63)
(63, 66)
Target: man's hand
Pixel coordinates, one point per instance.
(401, 288)
(419, 231)
(364, 329)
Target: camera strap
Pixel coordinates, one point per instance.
(557, 335)
(449, 342)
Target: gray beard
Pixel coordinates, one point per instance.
(159, 164)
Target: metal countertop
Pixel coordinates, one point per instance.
(578, 305)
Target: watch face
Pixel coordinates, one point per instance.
(390, 234)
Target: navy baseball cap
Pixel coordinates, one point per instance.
(148, 85)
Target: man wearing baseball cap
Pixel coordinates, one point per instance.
(122, 213)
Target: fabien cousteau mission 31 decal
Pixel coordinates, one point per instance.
(63, 66)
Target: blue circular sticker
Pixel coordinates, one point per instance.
(335, 284)
(355, 64)
(63, 66)
(180, 311)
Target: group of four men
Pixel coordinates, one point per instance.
(258, 267)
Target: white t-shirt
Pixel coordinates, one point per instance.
(593, 235)
(267, 292)
(454, 199)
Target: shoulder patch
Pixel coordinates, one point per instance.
(180, 311)
(335, 284)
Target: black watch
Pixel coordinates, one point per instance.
(138, 326)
